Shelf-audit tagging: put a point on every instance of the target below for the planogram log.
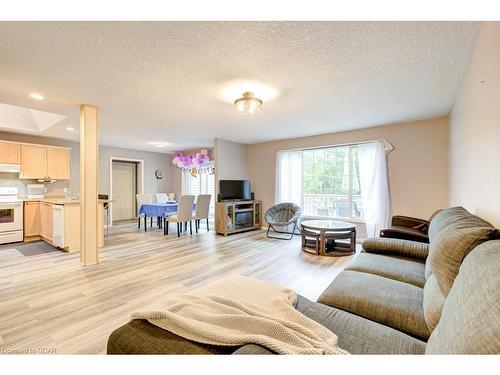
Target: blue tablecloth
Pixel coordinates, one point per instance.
(160, 209)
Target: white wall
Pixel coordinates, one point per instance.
(475, 130)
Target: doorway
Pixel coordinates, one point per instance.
(126, 180)
(124, 190)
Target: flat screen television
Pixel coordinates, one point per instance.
(232, 190)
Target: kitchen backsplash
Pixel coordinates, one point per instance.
(12, 179)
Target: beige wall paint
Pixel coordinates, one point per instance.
(230, 161)
(418, 166)
(475, 130)
(152, 162)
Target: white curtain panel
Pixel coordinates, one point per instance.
(289, 177)
(374, 186)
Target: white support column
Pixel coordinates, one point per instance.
(89, 180)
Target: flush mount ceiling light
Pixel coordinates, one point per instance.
(254, 95)
(36, 96)
(159, 144)
(70, 129)
(248, 104)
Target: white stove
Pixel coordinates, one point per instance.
(11, 215)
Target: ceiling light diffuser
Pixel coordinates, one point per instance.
(159, 144)
(232, 90)
(36, 96)
(248, 104)
(69, 128)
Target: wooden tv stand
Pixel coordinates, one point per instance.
(237, 216)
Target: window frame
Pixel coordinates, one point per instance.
(350, 146)
(186, 184)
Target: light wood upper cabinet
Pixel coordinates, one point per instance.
(10, 153)
(32, 219)
(33, 162)
(40, 162)
(58, 162)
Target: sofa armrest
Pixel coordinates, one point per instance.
(394, 246)
(410, 222)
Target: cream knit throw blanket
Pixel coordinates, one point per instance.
(237, 310)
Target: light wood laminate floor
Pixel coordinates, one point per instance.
(49, 300)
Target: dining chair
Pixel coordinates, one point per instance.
(202, 208)
(161, 198)
(184, 214)
(142, 199)
(105, 206)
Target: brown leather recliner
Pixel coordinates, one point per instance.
(407, 228)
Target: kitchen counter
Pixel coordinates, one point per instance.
(61, 201)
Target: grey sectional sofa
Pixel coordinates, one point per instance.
(397, 297)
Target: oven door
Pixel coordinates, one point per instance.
(11, 217)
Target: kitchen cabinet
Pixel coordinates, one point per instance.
(45, 162)
(58, 162)
(46, 224)
(32, 161)
(32, 219)
(10, 153)
(58, 223)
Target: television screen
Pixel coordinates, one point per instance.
(234, 190)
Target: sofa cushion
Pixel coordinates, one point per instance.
(458, 216)
(390, 302)
(470, 320)
(433, 302)
(454, 218)
(358, 335)
(397, 268)
(396, 246)
(449, 248)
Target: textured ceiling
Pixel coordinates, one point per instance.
(162, 81)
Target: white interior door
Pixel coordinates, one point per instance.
(124, 190)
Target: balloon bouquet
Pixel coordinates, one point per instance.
(192, 161)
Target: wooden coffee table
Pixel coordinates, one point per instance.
(333, 230)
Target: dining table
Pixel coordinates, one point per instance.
(159, 210)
